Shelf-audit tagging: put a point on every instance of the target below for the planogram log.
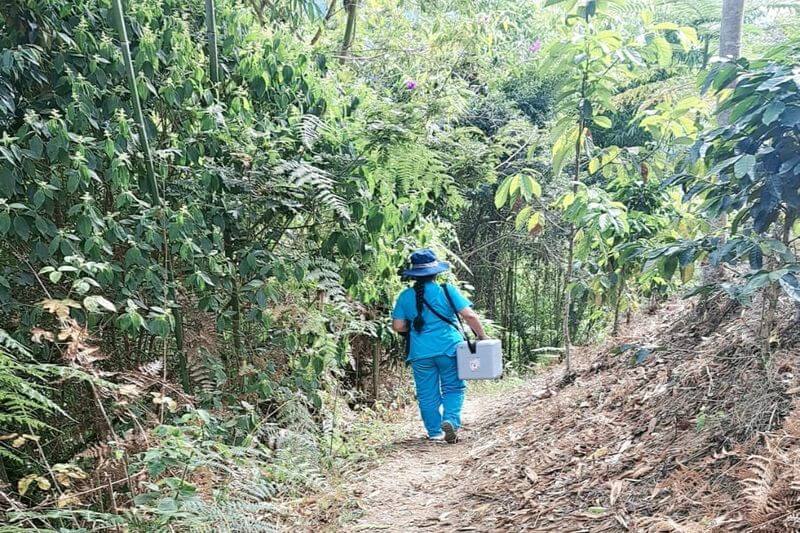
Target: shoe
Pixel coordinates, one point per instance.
(437, 438)
(450, 434)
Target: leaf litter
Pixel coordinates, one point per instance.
(700, 436)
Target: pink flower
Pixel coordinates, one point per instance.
(535, 46)
(411, 85)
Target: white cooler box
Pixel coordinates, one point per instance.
(485, 363)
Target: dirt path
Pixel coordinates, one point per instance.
(396, 495)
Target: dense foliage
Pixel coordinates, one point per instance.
(190, 295)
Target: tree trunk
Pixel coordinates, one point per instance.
(512, 311)
(730, 46)
(571, 246)
(350, 7)
(771, 294)
(119, 19)
(235, 305)
(507, 305)
(534, 281)
(376, 369)
(567, 301)
(730, 32)
(617, 303)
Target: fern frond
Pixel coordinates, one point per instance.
(230, 517)
(689, 11)
(152, 369)
(202, 378)
(772, 491)
(325, 274)
(310, 129)
(23, 391)
(317, 182)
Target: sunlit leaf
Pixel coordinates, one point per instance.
(522, 216)
(502, 194)
(535, 222)
(98, 304)
(602, 121)
(663, 51)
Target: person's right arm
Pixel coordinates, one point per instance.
(400, 316)
(472, 320)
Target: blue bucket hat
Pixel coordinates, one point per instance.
(424, 263)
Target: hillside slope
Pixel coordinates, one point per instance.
(700, 435)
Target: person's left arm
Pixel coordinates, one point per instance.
(464, 309)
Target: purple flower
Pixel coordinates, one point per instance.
(411, 85)
(535, 46)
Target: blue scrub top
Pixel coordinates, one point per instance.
(437, 337)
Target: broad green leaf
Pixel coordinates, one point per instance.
(501, 196)
(536, 188)
(772, 112)
(687, 36)
(602, 121)
(522, 216)
(687, 273)
(663, 51)
(375, 223)
(564, 146)
(721, 76)
(530, 187)
(724, 164)
(347, 245)
(22, 228)
(744, 165)
(514, 186)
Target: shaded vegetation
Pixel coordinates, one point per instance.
(202, 224)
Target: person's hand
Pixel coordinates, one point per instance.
(483, 337)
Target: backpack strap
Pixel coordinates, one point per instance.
(461, 328)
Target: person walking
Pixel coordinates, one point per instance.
(427, 313)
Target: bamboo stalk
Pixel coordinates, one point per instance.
(328, 16)
(119, 20)
(211, 39)
(152, 185)
(350, 28)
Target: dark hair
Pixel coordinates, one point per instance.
(419, 292)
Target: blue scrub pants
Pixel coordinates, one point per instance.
(440, 393)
